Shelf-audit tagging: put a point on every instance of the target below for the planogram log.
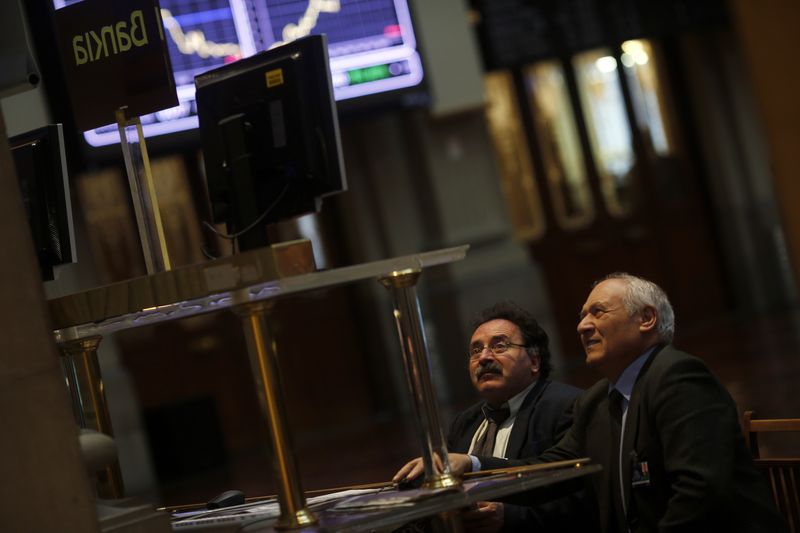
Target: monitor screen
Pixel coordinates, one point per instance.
(41, 167)
(372, 47)
(270, 138)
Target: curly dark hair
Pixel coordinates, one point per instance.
(535, 338)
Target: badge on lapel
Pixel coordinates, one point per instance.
(640, 472)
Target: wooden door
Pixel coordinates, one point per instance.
(599, 179)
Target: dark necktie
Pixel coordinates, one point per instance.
(615, 400)
(494, 419)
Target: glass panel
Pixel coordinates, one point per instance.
(560, 145)
(641, 70)
(511, 147)
(608, 127)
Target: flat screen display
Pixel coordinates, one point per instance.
(371, 46)
(41, 167)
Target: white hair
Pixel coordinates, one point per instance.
(640, 293)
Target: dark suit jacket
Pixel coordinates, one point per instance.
(685, 425)
(543, 418)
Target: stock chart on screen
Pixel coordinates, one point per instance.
(371, 45)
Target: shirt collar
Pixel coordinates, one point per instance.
(628, 377)
(515, 402)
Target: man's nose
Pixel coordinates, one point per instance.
(585, 325)
(486, 355)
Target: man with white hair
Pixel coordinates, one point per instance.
(664, 429)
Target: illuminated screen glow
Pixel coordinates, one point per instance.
(371, 45)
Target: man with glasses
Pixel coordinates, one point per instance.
(522, 413)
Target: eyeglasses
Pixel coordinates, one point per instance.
(496, 347)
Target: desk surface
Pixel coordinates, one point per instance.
(437, 501)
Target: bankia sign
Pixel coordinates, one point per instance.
(114, 54)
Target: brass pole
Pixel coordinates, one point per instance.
(73, 386)
(263, 355)
(84, 379)
(408, 319)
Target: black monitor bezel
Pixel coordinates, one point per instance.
(313, 148)
(47, 190)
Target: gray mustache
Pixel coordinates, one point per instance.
(492, 366)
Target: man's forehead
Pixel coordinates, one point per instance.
(595, 302)
(495, 328)
(605, 292)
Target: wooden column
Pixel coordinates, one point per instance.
(45, 484)
(770, 42)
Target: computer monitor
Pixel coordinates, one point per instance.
(42, 171)
(270, 138)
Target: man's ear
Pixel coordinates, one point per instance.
(536, 360)
(649, 319)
